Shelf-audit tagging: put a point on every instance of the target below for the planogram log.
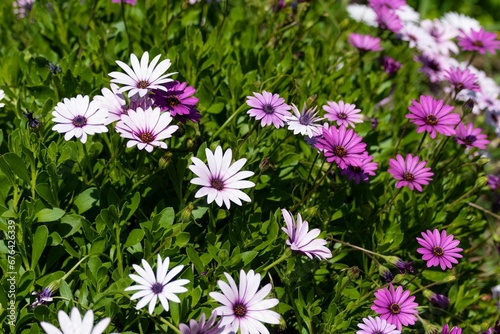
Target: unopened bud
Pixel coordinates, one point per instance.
(399, 278)
(353, 273)
(385, 273)
(186, 213)
(468, 106)
(165, 160)
(223, 254)
(265, 164)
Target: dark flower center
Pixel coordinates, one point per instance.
(173, 101)
(157, 288)
(459, 86)
(305, 119)
(431, 120)
(437, 251)
(469, 139)
(217, 184)
(407, 176)
(395, 308)
(268, 109)
(143, 84)
(342, 115)
(79, 121)
(434, 65)
(240, 310)
(146, 137)
(340, 151)
(478, 43)
(356, 169)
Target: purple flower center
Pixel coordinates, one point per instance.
(431, 120)
(305, 119)
(146, 137)
(240, 310)
(143, 84)
(268, 109)
(173, 101)
(478, 43)
(437, 251)
(340, 151)
(395, 308)
(79, 121)
(356, 169)
(434, 65)
(459, 86)
(407, 176)
(217, 184)
(469, 140)
(342, 115)
(157, 288)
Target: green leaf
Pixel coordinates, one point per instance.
(18, 166)
(49, 215)
(134, 237)
(45, 192)
(193, 256)
(182, 239)
(39, 243)
(86, 200)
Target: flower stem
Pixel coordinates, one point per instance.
(113, 157)
(401, 138)
(126, 27)
(226, 123)
(283, 257)
(415, 276)
(90, 165)
(248, 135)
(471, 58)
(421, 142)
(166, 322)
(313, 189)
(388, 203)
(119, 250)
(356, 247)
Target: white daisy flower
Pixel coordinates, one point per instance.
(146, 128)
(221, 181)
(304, 122)
(112, 101)
(75, 324)
(459, 22)
(245, 308)
(151, 287)
(362, 13)
(2, 95)
(142, 77)
(301, 240)
(76, 117)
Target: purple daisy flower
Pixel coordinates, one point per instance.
(376, 325)
(244, 307)
(344, 147)
(410, 172)
(220, 180)
(390, 4)
(343, 113)
(203, 326)
(269, 109)
(146, 128)
(395, 306)
(42, 298)
(387, 19)
(176, 99)
(404, 266)
(357, 173)
(301, 240)
(493, 182)
(365, 42)
(433, 116)
(439, 249)
(462, 79)
(454, 330)
(479, 40)
(471, 137)
(391, 66)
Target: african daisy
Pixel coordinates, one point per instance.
(364, 42)
(220, 180)
(439, 249)
(304, 122)
(471, 137)
(343, 113)
(396, 306)
(376, 325)
(75, 324)
(479, 40)
(410, 172)
(203, 326)
(268, 108)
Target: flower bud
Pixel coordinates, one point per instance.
(468, 106)
(440, 301)
(353, 273)
(385, 273)
(165, 160)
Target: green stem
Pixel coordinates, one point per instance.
(480, 208)
(356, 247)
(113, 157)
(129, 42)
(467, 194)
(401, 138)
(90, 165)
(248, 135)
(389, 203)
(119, 250)
(421, 142)
(175, 329)
(471, 58)
(415, 276)
(313, 189)
(283, 257)
(228, 121)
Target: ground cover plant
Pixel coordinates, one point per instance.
(247, 167)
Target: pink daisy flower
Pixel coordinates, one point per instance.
(244, 307)
(395, 306)
(365, 42)
(410, 172)
(455, 330)
(391, 66)
(343, 113)
(471, 137)
(301, 240)
(493, 182)
(146, 128)
(387, 19)
(433, 116)
(357, 173)
(390, 4)
(462, 79)
(439, 249)
(269, 109)
(344, 147)
(376, 325)
(479, 40)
